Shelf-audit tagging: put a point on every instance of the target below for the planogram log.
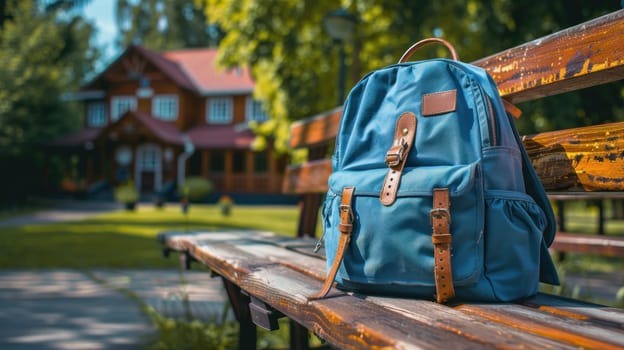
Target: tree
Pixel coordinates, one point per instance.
(294, 63)
(165, 24)
(44, 55)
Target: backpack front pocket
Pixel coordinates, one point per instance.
(391, 248)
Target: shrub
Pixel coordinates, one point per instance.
(126, 193)
(196, 188)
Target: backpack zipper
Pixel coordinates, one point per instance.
(492, 120)
(492, 116)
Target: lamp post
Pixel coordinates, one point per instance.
(340, 25)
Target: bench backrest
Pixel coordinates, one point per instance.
(585, 159)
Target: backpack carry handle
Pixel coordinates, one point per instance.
(424, 42)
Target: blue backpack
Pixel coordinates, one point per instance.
(432, 194)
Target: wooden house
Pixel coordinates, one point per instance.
(158, 118)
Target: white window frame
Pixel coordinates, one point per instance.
(121, 104)
(148, 158)
(216, 116)
(96, 114)
(165, 107)
(254, 111)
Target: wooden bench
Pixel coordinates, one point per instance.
(268, 276)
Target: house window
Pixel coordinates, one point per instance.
(150, 158)
(96, 114)
(238, 162)
(217, 162)
(122, 104)
(219, 110)
(165, 107)
(255, 111)
(261, 162)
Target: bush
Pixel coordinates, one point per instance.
(196, 188)
(126, 193)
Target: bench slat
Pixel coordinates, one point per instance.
(590, 244)
(335, 319)
(448, 318)
(310, 177)
(560, 326)
(588, 158)
(268, 267)
(599, 314)
(316, 129)
(527, 72)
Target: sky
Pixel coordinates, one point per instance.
(102, 14)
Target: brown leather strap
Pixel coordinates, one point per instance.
(512, 109)
(441, 222)
(346, 228)
(424, 42)
(396, 156)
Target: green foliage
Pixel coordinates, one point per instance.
(196, 188)
(43, 55)
(295, 63)
(126, 193)
(165, 24)
(183, 334)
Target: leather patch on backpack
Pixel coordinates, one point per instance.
(439, 103)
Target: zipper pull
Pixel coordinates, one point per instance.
(319, 243)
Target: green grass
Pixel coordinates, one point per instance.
(582, 217)
(125, 239)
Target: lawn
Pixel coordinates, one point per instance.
(124, 239)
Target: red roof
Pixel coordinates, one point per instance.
(165, 131)
(192, 69)
(78, 138)
(171, 69)
(220, 136)
(201, 66)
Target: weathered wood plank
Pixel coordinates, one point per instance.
(316, 129)
(310, 177)
(585, 159)
(444, 317)
(336, 319)
(271, 269)
(590, 244)
(344, 320)
(564, 327)
(598, 314)
(585, 55)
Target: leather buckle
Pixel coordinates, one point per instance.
(346, 224)
(438, 213)
(396, 153)
(348, 209)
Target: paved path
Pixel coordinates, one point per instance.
(61, 210)
(65, 309)
(69, 309)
